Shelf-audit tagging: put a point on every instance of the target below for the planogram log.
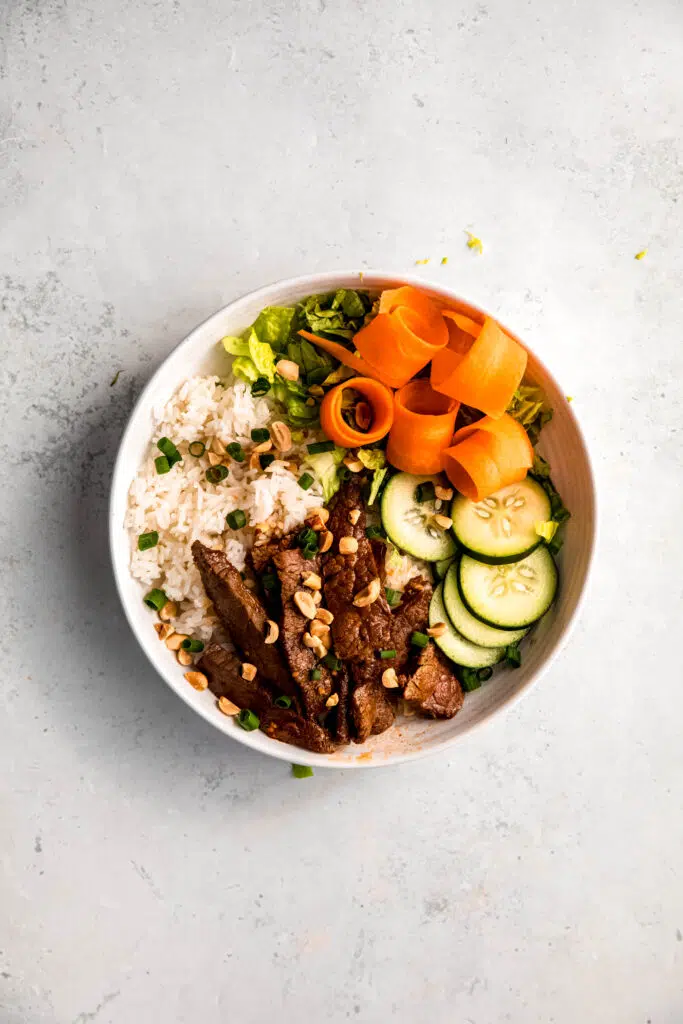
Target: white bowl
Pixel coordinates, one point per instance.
(562, 443)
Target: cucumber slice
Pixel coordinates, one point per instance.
(455, 646)
(441, 567)
(501, 528)
(409, 523)
(473, 629)
(509, 596)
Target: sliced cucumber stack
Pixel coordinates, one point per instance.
(409, 523)
(511, 596)
(501, 528)
(454, 645)
(473, 629)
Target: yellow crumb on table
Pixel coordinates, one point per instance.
(474, 243)
(640, 255)
(421, 263)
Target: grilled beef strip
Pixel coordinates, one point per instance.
(432, 687)
(242, 615)
(411, 616)
(223, 670)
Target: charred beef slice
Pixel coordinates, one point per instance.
(410, 617)
(292, 568)
(432, 687)
(242, 615)
(358, 633)
(223, 670)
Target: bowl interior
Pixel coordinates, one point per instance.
(562, 444)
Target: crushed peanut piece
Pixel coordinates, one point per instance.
(390, 679)
(318, 628)
(281, 435)
(363, 414)
(214, 460)
(444, 493)
(287, 369)
(312, 581)
(305, 604)
(348, 546)
(248, 671)
(227, 707)
(219, 447)
(175, 640)
(273, 632)
(316, 391)
(354, 516)
(324, 616)
(438, 629)
(332, 701)
(443, 522)
(265, 446)
(164, 629)
(353, 465)
(368, 595)
(184, 658)
(326, 539)
(323, 514)
(169, 611)
(197, 679)
(317, 597)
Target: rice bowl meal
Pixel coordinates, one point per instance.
(351, 521)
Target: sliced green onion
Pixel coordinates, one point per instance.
(248, 720)
(319, 447)
(283, 701)
(156, 599)
(425, 492)
(261, 386)
(269, 581)
(196, 449)
(148, 540)
(192, 645)
(316, 674)
(419, 639)
(162, 464)
(236, 520)
(305, 481)
(215, 474)
(393, 597)
(374, 533)
(307, 538)
(308, 553)
(513, 656)
(167, 448)
(389, 653)
(485, 674)
(469, 677)
(301, 771)
(235, 451)
(259, 434)
(332, 662)
(266, 460)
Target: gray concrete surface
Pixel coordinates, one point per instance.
(156, 160)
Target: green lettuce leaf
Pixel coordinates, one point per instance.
(530, 408)
(326, 468)
(244, 369)
(377, 481)
(273, 325)
(340, 314)
(372, 458)
(262, 356)
(235, 346)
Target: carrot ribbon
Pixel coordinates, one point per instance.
(488, 455)
(378, 397)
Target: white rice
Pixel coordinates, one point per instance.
(182, 506)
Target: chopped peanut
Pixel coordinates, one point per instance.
(197, 679)
(348, 546)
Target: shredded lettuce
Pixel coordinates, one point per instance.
(235, 346)
(326, 468)
(372, 458)
(547, 530)
(530, 408)
(293, 396)
(376, 486)
(559, 513)
(244, 369)
(262, 356)
(340, 313)
(273, 326)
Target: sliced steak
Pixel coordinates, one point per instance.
(432, 688)
(371, 710)
(340, 714)
(242, 615)
(223, 671)
(412, 616)
(260, 557)
(357, 632)
(379, 551)
(292, 568)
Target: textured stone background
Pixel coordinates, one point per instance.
(158, 159)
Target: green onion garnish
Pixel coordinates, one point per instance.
(162, 464)
(316, 674)
(319, 447)
(307, 538)
(513, 656)
(283, 701)
(301, 771)
(259, 434)
(235, 452)
(215, 474)
(419, 639)
(156, 599)
(425, 492)
(261, 386)
(192, 645)
(485, 674)
(266, 460)
(269, 581)
(305, 481)
(196, 449)
(388, 654)
(393, 597)
(374, 533)
(248, 720)
(148, 540)
(167, 448)
(332, 662)
(236, 520)
(469, 677)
